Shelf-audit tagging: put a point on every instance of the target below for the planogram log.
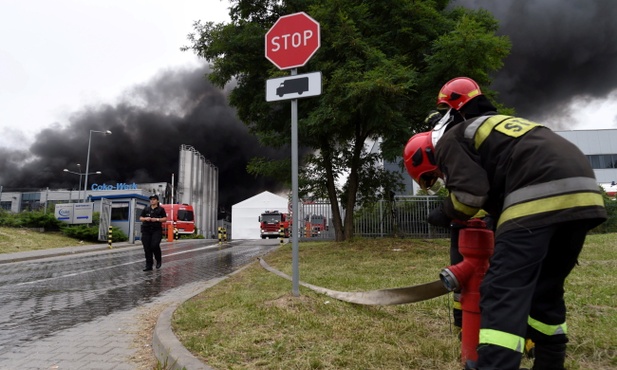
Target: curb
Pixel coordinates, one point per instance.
(166, 346)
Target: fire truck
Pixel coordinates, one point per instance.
(314, 225)
(183, 215)
(271, 222)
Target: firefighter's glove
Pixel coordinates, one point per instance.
(437, 217)
(490, 222)
(432, 118)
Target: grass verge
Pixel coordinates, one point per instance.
(21, 240)
(252, 320)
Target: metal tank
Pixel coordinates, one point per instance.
(198, 186)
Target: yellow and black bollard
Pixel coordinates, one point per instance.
(220, 229)
(281, 235)
(176, 235)
(109, 237)
(225, 235)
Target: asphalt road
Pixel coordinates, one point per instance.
(40, 298)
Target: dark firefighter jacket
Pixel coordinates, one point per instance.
(520, 172)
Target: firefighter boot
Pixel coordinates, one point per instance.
(549, 357)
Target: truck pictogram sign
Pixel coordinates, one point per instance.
(293, 87)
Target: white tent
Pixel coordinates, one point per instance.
(245, 215)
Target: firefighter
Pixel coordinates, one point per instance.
(541, 190)
(435, 218)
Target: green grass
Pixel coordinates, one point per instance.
(22, 240)
(253, 321)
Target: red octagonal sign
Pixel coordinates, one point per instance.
(292, 40)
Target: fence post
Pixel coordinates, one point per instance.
(428, 210)
(381, 217)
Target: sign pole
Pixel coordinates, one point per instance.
(290, 43)
(294, 188)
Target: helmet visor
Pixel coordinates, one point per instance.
(428, 179)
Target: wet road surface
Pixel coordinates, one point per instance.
(39, 298)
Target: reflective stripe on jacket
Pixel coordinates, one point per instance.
(517, 170)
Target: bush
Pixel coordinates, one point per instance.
(91, 233)
(610, 226)
(82, 232)
(118, 235)
(32, 219)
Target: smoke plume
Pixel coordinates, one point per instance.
(563, 52)
(148, 127)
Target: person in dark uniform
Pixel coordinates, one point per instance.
(152, 219)
(542, 191)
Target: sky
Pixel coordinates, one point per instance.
(70, 66)
(59, 56)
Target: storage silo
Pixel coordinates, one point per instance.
(198, 186)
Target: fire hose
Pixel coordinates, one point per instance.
(475, 243)
(383, 297)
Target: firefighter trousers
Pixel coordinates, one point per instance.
(524, 284)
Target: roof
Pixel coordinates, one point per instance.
(265, 200)
(120, 196)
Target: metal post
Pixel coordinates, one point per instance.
(80, 175)
(294, 187)
(87, 166)
(88, 160)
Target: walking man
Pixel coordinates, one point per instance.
(152, 219)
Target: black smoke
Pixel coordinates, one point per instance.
(563, 51)
(148, 126)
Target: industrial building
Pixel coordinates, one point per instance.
(197, 185)
(600, 147)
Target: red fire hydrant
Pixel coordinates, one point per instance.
(476, 244)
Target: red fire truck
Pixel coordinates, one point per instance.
(314, 225)
(271, 222)
(183, 215)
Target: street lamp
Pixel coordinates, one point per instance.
(80, 175)
(88, 158)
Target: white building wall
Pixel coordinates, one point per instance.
(596, 142)
(592, 142)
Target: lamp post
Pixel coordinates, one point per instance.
(88, 159)
(80, 175)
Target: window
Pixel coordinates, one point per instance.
(185, 215)
(120, 212)
(31, 202)
(601, 161)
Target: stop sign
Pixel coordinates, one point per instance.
(292, 40)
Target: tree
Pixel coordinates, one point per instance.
(382, 63)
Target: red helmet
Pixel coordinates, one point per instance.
(457, 92)
(419, 158)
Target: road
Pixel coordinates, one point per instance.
(43, 298)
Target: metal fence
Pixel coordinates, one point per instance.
(404, 217)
